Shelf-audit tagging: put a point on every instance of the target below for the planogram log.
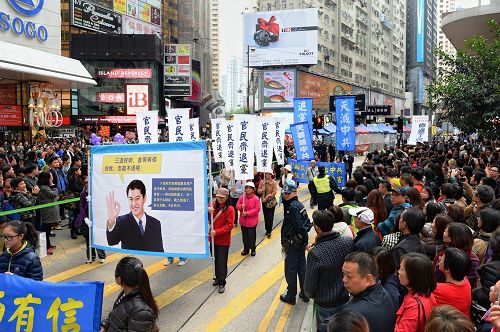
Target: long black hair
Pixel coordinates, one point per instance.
(26, 229)
(224, 206)
(132, 273)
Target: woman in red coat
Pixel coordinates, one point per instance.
(223, 219)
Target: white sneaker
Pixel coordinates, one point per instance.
(88, 261)
(167, 263)
(102, 260)
(182, 263)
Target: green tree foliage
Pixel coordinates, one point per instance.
(467, 88)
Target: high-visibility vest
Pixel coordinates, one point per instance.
(322, 184)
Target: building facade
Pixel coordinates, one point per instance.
(214, 41)
(444, 7)
(361, 43)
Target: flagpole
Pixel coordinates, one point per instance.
(89, 224)
(211, 186)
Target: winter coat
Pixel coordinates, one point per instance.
(472, 276)
(25, 263)
(391, 285)
(21, 200)
(366, 239)
(344, 229)
(488, 275)
(130, 313)
(481, 245)
(48, 215)
(222, 225)
(407, 243)
(323, 281)
(376, 306)
(267, 187)
(84, 206)
(409, 317)
(293, 225)
(387, 225)
(252, 209)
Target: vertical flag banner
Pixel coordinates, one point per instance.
(229, 138)
(264, 136)
(194, 129)
(302, 141)
(302, 111)
(279, 139)
(335, 170)
(147, 126)
(419, 129)
(150, 199)
(217, 138)
(245, 141)
(178, 124)
(28, 305)
(346, 137)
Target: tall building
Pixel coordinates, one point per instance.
(170, 22)
(421, 34)
(361, 43)
(214, 41)
(444, 7)
(233, 89)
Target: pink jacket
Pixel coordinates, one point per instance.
(252, 208)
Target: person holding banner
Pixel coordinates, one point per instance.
(20, 258)
(324, 188)
(135, 230)
(236, 189)
(223, 222)
(268, 189)
(249, 207)
(311, 172)
(135, 309)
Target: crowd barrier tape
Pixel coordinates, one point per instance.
(41, 206)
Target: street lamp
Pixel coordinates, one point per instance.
(252, 49)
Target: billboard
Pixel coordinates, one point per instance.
(132, 26)
(124, 73)
(420, 30)
(137, 98)
(87, 15)
(177, 70)
(278, 89)
(282, 37)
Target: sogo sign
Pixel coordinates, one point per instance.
(20, 27)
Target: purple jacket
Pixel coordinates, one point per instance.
(84, 207)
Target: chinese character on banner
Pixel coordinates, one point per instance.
(346, 137)
(217, 125)
(264, 133)
(279, 139)
(178, 125)
(228, 136)
(244, 148)
(147, 126)
(302, 141)
(419, 129)
(335, 170)
(194, 129)
(302, 111)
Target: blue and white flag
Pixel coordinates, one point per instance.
(346, 137)
(335, 170)
(302, 111)
(302, 141)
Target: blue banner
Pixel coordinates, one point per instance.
(302, 141)
(344, 112)
(336, 170)
(302, 111)
(28, 305)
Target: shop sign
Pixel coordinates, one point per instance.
(156, 16)
(8, 94)
(10, 115)
(110, 97)
(120, 6)
(89, 16)
(124, 73)
(177, 70)
(108, 119)
(137, 98)
(132, 26)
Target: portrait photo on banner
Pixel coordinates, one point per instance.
(150, 199)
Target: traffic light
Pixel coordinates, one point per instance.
(400, 124)
(318, 122)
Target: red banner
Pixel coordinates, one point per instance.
(110, 97)
(8, 94)
(124, 73)
(10, 115)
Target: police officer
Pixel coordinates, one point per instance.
(294, 239)
(324, 187)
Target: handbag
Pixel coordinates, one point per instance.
(271, 201)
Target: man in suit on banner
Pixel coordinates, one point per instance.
(135, 230)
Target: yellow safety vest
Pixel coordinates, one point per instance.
(322, 184)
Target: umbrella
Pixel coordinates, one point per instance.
(360, 130)
(330, 127)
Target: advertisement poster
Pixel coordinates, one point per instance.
(84, 16)
(419, 129)
(10, 116)
(135, 26)
(120, 6)
(8, 94)
(30, 305)
(315, 87)
(150, 199)
(133, 8)
(282, 37)
(177, 70)
(156, 16)
(278, 89)
(137, 98)
(145, 11)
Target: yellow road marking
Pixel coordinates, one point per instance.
(264, 324)
(245, 298)
(283, 317)
(82, 269)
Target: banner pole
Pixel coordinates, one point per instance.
(211, 185)
(89, 225)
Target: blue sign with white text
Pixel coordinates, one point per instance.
(19, 26)
(346, 136)
(336, 170)
(302, 111)
(302, 141)
(28, 305)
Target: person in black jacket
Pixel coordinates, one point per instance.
(20, 258)
(323, 282)
(366, 238)
(294, 239)
(410, 224)
(489, 273)
(369, 298)
(135, 308)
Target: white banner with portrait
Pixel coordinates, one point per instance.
(264, 138)
(150, 199)
(178, 124)
(244, 147)
(147, 126)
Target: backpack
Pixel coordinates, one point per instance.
(7, 206)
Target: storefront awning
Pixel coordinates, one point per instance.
(26, 64)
